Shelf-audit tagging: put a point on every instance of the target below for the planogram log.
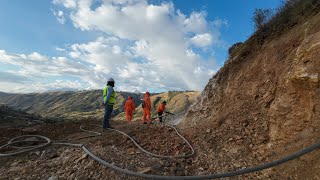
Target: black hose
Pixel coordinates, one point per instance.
(47, 141)
(210, 176)
(14, 141)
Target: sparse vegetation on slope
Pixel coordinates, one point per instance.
(264, 103)
(86, 104)
(67, 105)
(178, 102)
(16, 118)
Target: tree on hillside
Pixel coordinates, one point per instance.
(261, 17)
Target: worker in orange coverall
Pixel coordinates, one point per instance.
(146, 105)
(129, 108)
(161, 110)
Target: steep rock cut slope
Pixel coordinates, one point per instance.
(263, 104)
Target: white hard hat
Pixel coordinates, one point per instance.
(110, 80)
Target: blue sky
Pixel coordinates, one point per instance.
(145, 45)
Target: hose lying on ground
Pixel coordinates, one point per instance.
(156, 155)
(14, 144)
(14, 141)
(138, 146)
(210, 176)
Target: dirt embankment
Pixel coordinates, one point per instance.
(264, 104)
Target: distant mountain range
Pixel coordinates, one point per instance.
(75, 105)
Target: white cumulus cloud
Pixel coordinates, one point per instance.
(202, 40)
(66, 3)
(31, 87)
(142, 45)
(160, 36)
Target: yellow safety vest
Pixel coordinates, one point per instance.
(112, 99)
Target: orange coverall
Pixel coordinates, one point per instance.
(129, 108)
(161, 109)
(147, 108)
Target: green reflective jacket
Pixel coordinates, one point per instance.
(112, 99)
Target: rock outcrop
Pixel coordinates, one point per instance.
(266, 102)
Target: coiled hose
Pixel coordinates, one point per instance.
(15, 141)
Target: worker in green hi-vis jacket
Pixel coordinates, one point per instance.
(109, 99)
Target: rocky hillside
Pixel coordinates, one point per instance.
(85, 104)
(72, 105)
(177, 103)
(17, 118)
(261, 106)
(265, 102)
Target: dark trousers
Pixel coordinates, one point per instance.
(107, 114)
(160, 116)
